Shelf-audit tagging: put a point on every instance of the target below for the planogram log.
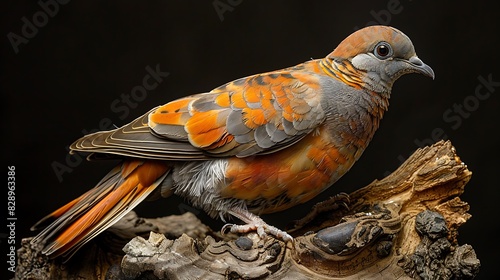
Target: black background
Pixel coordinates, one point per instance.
(64, 79)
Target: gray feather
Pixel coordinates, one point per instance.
(174, 132)
(235, 125)
(262, 138)
(289, 128)
(276, 134)
(244, 138)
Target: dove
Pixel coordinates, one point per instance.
(256, 145)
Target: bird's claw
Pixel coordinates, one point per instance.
(261, 229)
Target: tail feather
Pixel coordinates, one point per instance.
(72, 209)
(93, 212)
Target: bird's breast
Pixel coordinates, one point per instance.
(290, 176)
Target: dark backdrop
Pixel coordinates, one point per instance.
(68, 67)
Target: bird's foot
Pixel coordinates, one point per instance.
(254, 223)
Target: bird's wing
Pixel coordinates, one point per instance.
(258, 114)
(136, 140)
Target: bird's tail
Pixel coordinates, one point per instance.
(82, 219)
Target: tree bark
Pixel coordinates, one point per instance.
(404, 226)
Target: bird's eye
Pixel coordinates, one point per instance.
(382, 50)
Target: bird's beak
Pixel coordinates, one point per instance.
(420, 67)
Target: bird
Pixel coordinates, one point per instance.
(256, 145)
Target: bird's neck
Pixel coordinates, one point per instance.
(355, 101)
(363, 110)
(372, 104)
(344, 71)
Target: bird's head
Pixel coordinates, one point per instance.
(379, 55)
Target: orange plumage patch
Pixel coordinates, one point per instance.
(206, 128)
(167, 118)
(172, 113)
(238, 101)
(254, 117)
(252, 94)
(300, 172)
(130, 166)
(176, 105)
(66, 207)
(223, 100)
(349, 81)
(139, 177)
(284, 103)
(207, 138)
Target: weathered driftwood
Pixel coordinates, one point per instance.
(402, 227)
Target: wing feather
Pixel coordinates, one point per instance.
(260, 114)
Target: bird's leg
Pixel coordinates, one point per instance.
(253, 223)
